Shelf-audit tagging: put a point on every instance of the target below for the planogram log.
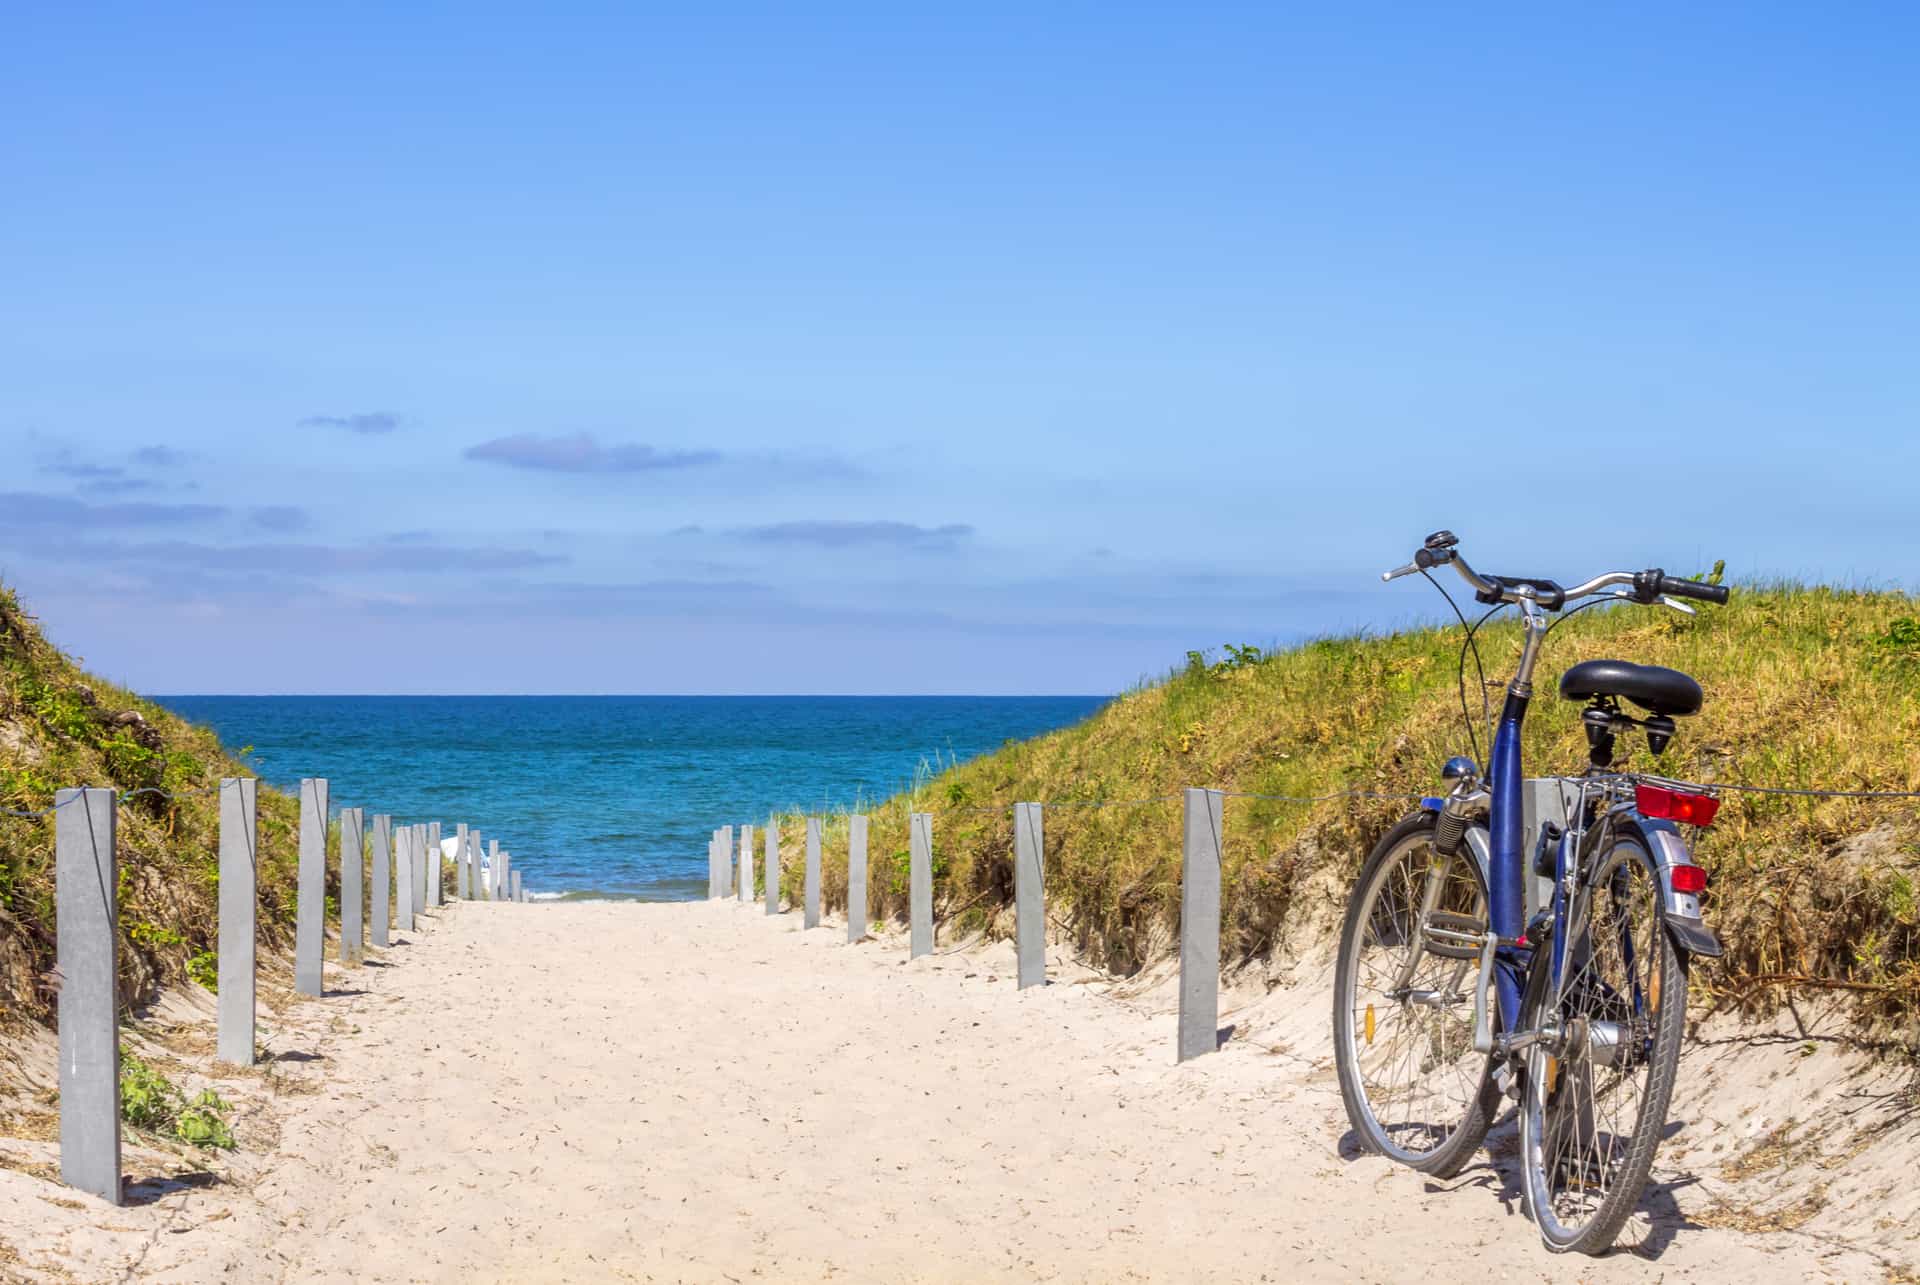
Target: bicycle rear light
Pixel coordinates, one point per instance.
(1661, 804)
(1688, 879)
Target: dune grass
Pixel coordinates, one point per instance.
(60, 727)
(1811, 687)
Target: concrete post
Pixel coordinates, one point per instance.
(517, 895)
(239, 844)
(421, 863)
(856, 878)
(772, 875)
(1200, 925)
(403, 879)
(920, 884)
(87, 948)
(460, 859)
(746, 864)
(723, 839)
(810, 917)
(310, 926)
(1029, 893)
(353, 869)
(382, 899)
(436, 865)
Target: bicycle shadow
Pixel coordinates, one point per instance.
(1656, 1221)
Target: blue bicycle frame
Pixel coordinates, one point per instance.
(1506, 877)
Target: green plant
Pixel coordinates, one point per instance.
(1900, 644)
(149, 1100)
(204, 968)
(146, 1096)
(154, 935)
(203, 1122)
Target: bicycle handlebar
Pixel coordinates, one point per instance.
(1644, 586)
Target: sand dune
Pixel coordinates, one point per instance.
(697, 1092)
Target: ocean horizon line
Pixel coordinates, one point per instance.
(918, 696)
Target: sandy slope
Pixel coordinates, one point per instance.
(696, 1092)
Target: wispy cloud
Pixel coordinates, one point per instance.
(373, 421)
(25, 510)
(160, 457)
(118, 485)
(851, 535)
(112, 479)
(279, 517)
(581, 453)
(65, 465)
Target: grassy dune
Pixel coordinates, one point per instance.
(60, 727)
(1805, 687)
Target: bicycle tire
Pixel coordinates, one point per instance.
(1551, 1095)
(1454, 1142)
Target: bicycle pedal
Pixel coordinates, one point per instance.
(1506, 1081)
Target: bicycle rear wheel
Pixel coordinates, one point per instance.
(1415, 1090)
(1596, 1095)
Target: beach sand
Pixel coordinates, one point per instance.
(574, 1092)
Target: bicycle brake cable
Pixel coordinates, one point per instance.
(1486, 710)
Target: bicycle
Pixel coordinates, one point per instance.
(1589, 993)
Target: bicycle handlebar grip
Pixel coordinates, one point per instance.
(1675, 587)
(1649, 585)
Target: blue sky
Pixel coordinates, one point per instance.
(926, 348)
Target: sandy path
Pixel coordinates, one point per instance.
(696, 1092)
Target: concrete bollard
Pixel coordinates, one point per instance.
(1029, 894)
(723, 838)
(353, 869)
(403, 879)
(856, 878)
(421, 864)
(810, 917)
(1200, 925)
(772, 873)
(920, 885)
(746, 864)
(87, 948)
(310, 926)
(382, 899)
(436, 865)
(516, 886)
(239, 873)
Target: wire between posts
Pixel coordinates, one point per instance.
(119, 798)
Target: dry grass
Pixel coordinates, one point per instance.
(1805, 687)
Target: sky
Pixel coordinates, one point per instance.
(926, 348)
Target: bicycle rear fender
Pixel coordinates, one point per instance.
(1679, 910)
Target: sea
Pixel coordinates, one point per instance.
(614, 797)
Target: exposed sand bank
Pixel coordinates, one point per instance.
(697, 1092)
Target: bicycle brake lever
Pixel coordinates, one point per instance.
(1678, 606)
(1395, 574)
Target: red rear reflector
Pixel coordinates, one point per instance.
(1688, 879)
(1662, 804)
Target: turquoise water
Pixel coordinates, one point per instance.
(613, 796)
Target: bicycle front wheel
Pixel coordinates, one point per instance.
(1597, 1089)
(1415, 1090)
